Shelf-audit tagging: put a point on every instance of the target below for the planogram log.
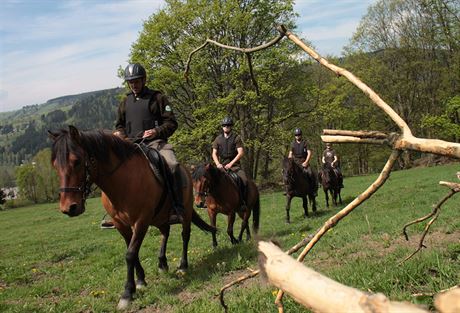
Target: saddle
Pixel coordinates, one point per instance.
(242, 188)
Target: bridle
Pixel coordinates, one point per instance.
(85, 187)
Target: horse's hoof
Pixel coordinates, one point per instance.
(123, 304)
(181, 272)
(140, 284)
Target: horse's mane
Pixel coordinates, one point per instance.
(95, 143)
(198, 172)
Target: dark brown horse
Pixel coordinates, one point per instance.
(132, 195)
(299, 184)
(331, 184)
(221, 194)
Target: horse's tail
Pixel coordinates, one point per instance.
(256, 215)
(201, 224)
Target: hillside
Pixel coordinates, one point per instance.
(23, 132)
(80, 267)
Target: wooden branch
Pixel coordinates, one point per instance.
(356, 133)
(350, 139)
(241, 279)
(320, 293)
(435, 212)
(453, 186)
(334, 220)
(407, 140)
(244, 50)
(449, 301)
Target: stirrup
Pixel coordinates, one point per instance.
(107, 225)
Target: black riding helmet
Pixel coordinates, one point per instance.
(134, 71)
(227, 121)
(297, 132)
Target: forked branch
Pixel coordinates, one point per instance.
(454, 188)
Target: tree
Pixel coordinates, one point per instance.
(220, 82)
(26, 178)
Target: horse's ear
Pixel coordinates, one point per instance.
(52, 135)
(74, 133)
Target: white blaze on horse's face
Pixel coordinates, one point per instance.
(72, 185)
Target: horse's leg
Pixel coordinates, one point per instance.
(162, 260)
(132, 262)
(288, 207)
(305, 206)
(231, 221)
(326, 196)
(183, 266)
(334, 196)
(212, 218)
(244, 225)
(248, 231)
(313, 202)
(340, 197)
(127, 234)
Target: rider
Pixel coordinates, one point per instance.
(147, 114)
(330, 157)
(227, 150)
(302, 155)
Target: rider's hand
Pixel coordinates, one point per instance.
(149, 133)
(220, 165)
(119, 134)
(305, 164)
(228, 166)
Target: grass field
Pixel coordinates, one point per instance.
(52, 263)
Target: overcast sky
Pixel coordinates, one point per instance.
(53, 48)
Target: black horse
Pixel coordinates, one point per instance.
(299, 184)
(331, 184)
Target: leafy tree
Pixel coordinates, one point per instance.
(47, 180)
(26, 178)
(220, 83)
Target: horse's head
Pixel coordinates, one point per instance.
(289, 169)
(326, 174)
(200, 185)
(72, 165)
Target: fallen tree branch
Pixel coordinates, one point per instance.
(320, 293)
(435, 212)
(241, 279)
(448, 302)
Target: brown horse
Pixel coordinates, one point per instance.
(221, 194)
(132, 195)
(331, 184)
(298, 184)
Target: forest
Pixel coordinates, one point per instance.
(407, 51)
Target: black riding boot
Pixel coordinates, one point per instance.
(177, 196)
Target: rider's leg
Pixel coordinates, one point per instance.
(168, 153)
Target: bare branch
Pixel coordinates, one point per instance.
(435, 212)
(244, 50)
(320, 293)
(356, 133)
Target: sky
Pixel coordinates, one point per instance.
(54, 48)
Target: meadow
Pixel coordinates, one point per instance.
(52, 263)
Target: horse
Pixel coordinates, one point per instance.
(298, 184)
(133, 195)
(331, 184)
(220, 192)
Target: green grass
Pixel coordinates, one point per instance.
(52, 263)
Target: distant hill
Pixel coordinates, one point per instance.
(24, 132)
